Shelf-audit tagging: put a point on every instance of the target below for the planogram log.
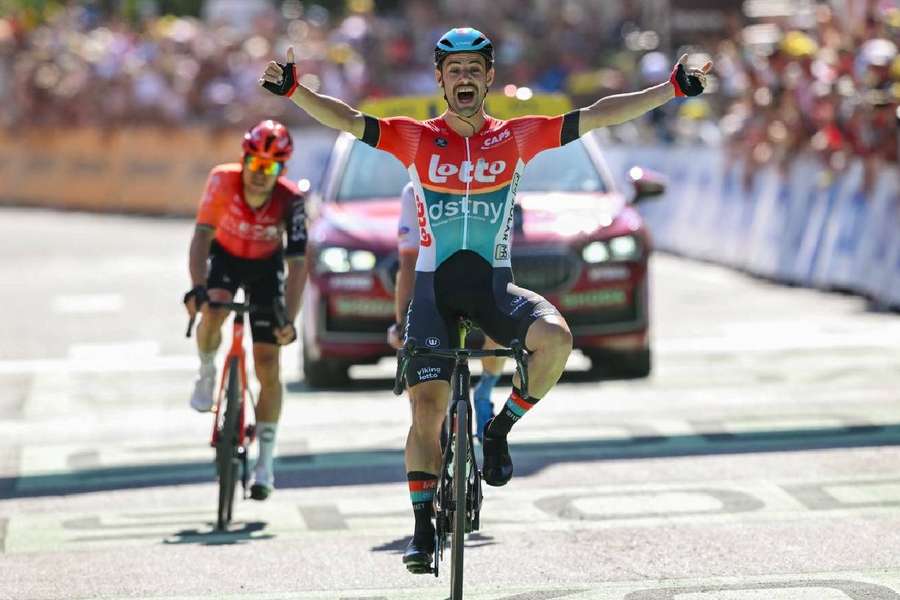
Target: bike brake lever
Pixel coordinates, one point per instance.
(190, 327)
(402, 362)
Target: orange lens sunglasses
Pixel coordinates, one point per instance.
(268, 167)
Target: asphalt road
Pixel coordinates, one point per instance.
(759, 461)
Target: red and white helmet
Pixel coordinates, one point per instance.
(269, 139)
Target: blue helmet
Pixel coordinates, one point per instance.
(463, 39)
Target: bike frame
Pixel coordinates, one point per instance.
(231, 457)
(457, 506)
(236, 351)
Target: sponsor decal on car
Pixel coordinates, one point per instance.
(608, 273)
(594, 298)
(363, 307)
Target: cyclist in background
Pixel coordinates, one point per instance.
(408, 252)
(465, 166)
(246, 210)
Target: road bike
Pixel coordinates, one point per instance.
(233, 431)
(458, 496)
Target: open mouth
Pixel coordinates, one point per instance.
(465, 95)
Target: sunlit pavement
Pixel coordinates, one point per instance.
(759, 461)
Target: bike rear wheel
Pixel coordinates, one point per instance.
(460, 480)
(227, 461)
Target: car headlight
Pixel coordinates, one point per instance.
(625, 247)
(595, 252)
(342, 260)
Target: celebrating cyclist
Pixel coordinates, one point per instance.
(246, 210)
(408, 252)
(465, 166)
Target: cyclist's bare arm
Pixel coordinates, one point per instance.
(328, 111)
(199, 253)
(619, 108)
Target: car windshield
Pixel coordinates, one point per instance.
(371, 173)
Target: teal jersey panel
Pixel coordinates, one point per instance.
(459, 223)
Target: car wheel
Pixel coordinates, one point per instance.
(608, 364)
(328, 373)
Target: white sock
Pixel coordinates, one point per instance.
(207, 360)
(265, 433)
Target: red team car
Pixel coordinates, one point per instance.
(578, 241)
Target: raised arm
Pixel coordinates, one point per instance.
(613, 110)
(282, 80)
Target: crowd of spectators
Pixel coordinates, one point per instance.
(826, 80)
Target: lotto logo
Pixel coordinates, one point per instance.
(482, 171)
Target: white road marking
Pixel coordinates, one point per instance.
(670, 504)
(140, 356)
(109, 364)
(118, 351)
(87, 303)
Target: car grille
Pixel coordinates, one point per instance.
(357, 325)
(603, 316)
(544, 273)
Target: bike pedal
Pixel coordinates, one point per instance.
(419, 568)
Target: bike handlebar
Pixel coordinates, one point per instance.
(277, 309)
(516, 350)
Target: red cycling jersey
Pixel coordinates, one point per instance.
(465, 187)
(251, 233)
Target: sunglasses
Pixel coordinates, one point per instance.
(264, 165)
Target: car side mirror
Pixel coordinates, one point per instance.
(647, 184)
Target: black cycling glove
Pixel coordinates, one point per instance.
(288, 83)
(685, 85)
(198, 293)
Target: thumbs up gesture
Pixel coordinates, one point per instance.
(281, 79)
(689, 82)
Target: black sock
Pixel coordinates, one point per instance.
(421, 492)
(514, 409)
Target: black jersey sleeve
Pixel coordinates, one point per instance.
(296, 227)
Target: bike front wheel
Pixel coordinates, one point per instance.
(460, 479)
(227, 463)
